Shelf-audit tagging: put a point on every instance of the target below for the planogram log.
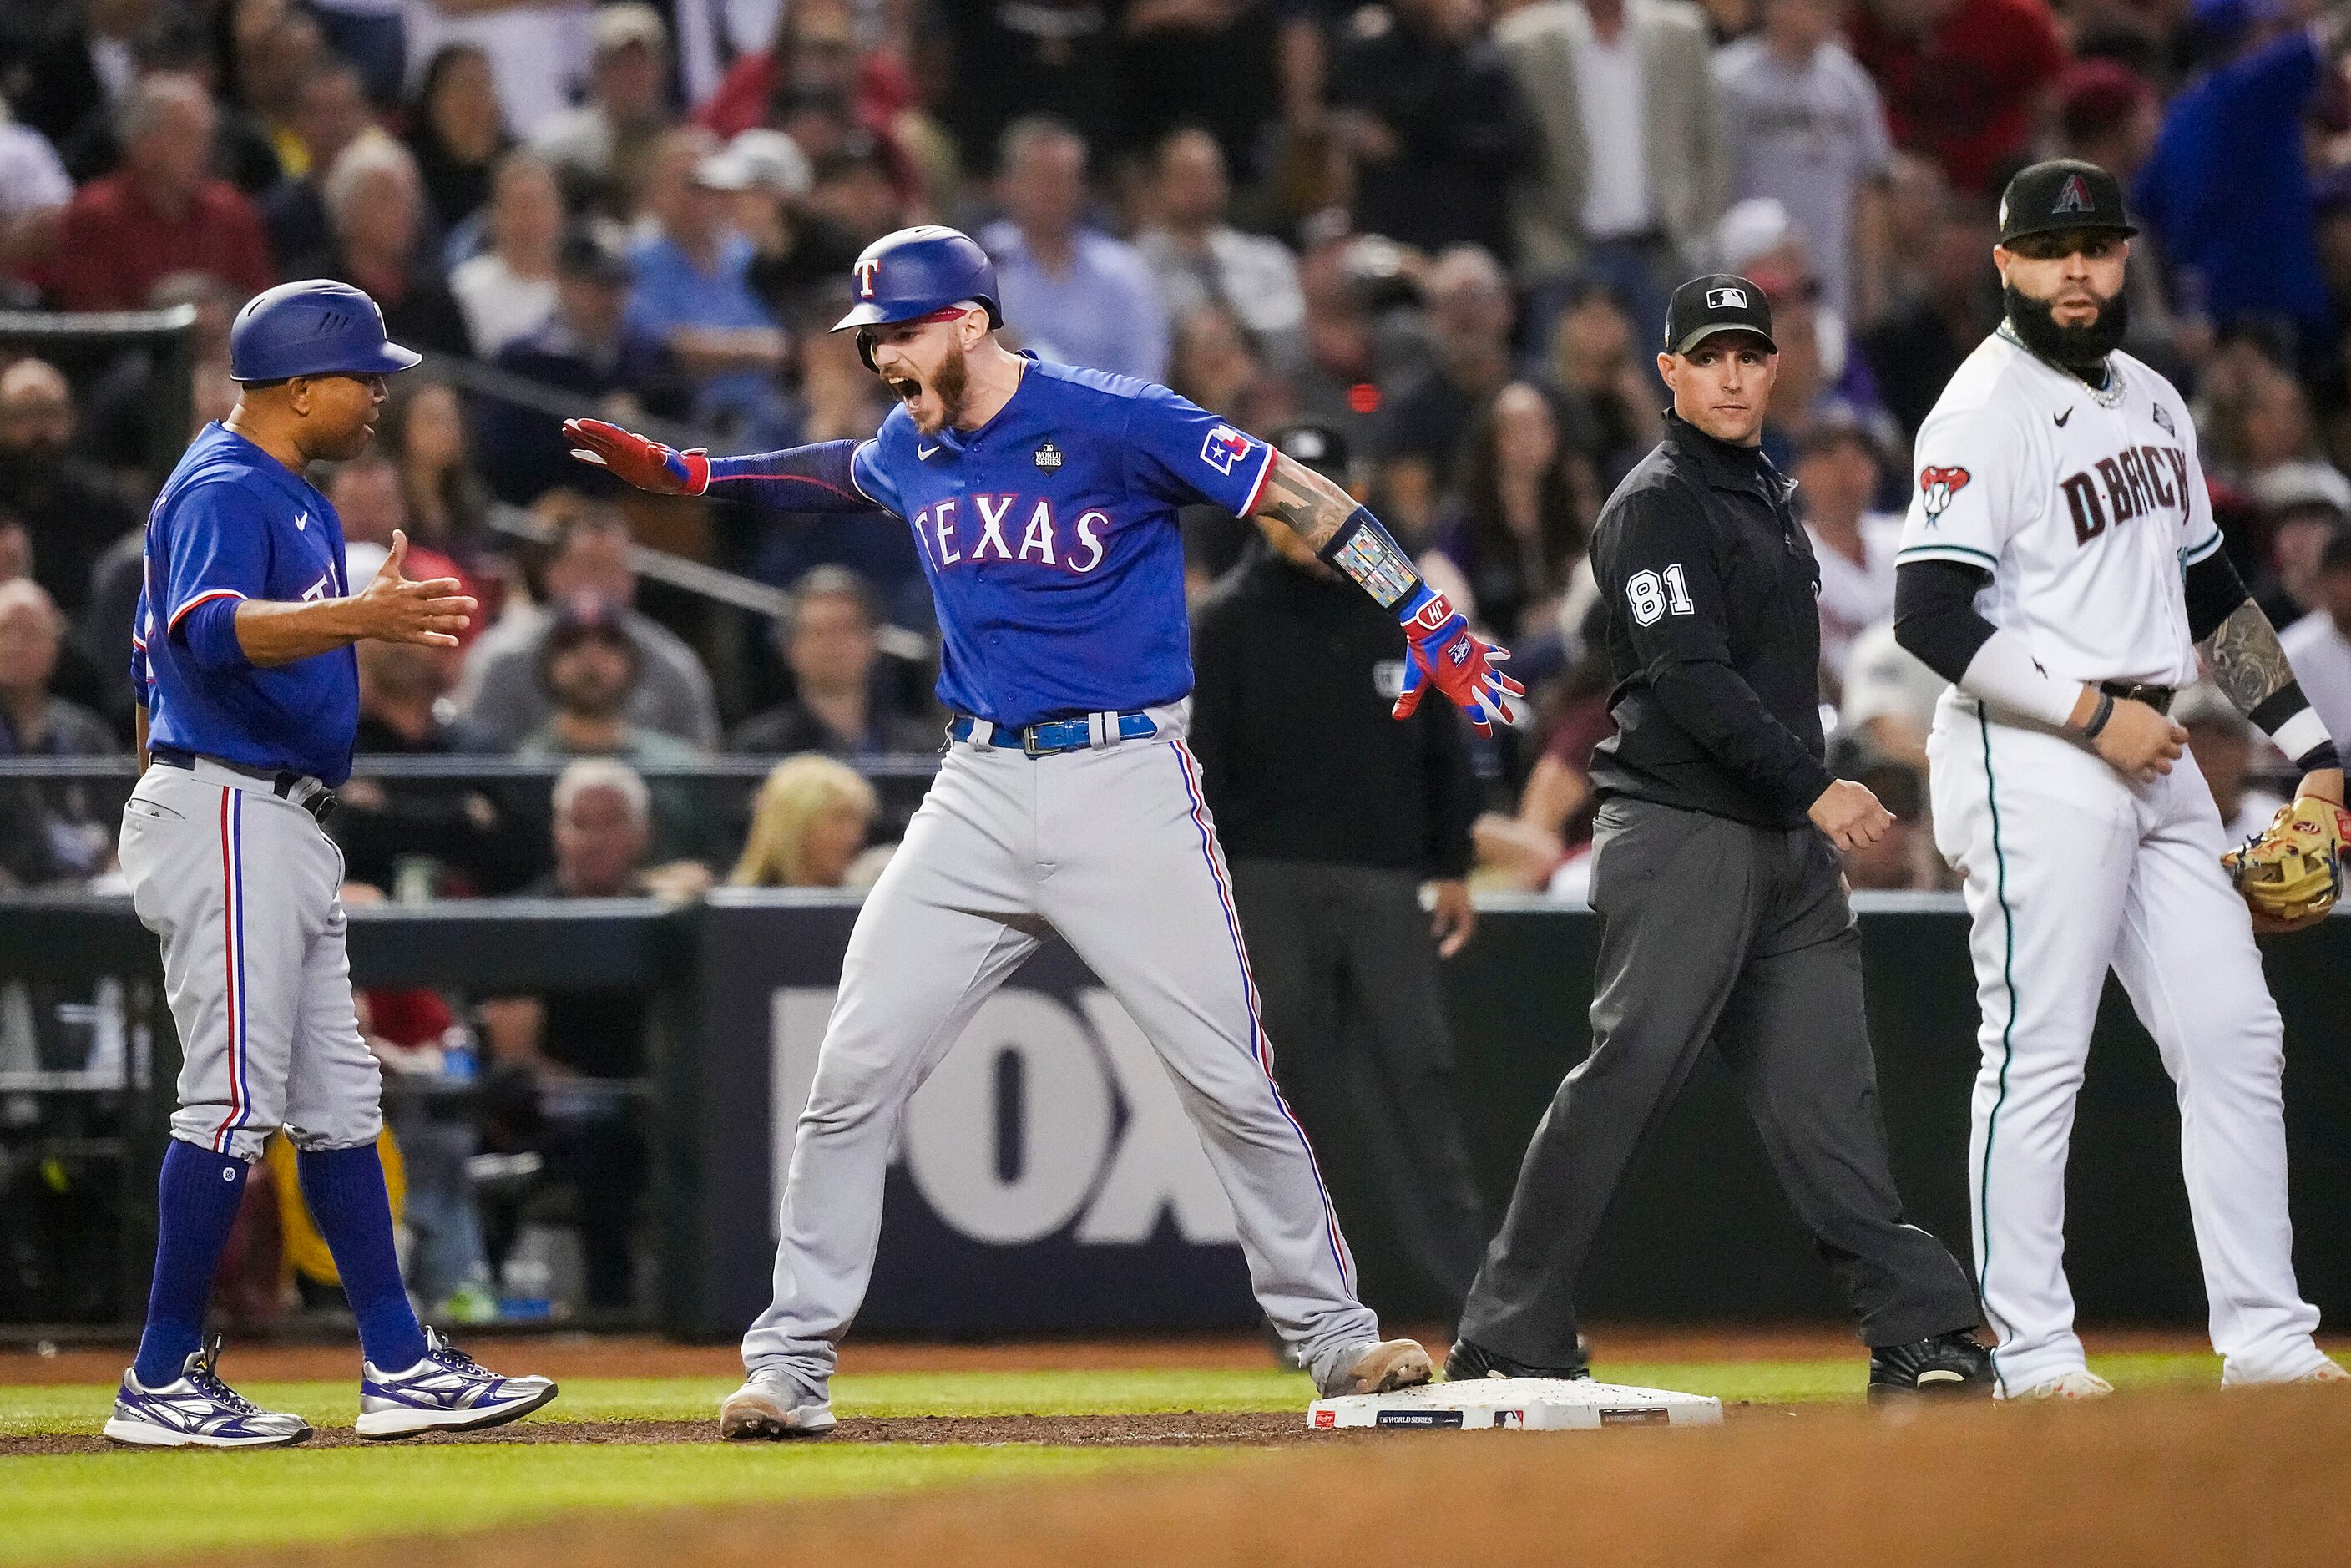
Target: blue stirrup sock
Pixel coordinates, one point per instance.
(196, 1202)
(345, 1190)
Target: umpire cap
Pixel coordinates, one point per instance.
(910, 274)
(313, 328)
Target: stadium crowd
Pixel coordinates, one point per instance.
(1442, 230)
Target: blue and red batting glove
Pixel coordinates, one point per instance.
(1445, 654)
(646, 464)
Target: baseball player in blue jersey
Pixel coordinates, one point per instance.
(249, 694)
(1044, 499)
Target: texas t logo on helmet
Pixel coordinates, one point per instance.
(867, 267)
(931, 268)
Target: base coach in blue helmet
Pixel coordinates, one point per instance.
(1043, 499)
(248, 694)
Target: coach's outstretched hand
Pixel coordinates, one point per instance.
(394, 610)
(646, 464)
(1445, 654)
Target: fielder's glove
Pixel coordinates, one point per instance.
(2291, 872)
(646, 464)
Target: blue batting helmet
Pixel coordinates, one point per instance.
(313, 328)
(915, 271)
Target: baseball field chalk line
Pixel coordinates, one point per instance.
(1522, 1404)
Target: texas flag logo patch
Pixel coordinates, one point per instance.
(1936, 488)
(1224, 447)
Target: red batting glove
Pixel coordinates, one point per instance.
(1445, 654)
(647, 464)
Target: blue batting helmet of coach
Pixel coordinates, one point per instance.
(313, 328)
(905, 276)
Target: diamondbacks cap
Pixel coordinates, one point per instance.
(1719, 302)
(2060, 195)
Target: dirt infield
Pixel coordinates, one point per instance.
(2242, 1478)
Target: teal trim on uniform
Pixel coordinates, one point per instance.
(2190, 555)
(1922, 552)
(2007, 1035)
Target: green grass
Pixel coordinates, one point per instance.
(90, 1505)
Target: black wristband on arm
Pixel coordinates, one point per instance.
(1365, 552)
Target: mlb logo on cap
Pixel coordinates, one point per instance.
(1718, 302)
(1726, 299)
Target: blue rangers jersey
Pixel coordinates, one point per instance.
(233, 523)
(1050, 539)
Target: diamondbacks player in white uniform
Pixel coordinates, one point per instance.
(2060, 565)
(1043, 499)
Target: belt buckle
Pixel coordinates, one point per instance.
(1028, 741)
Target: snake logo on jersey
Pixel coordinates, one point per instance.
(2135, 482)
(1936, 488)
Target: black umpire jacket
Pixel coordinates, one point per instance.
(1708, 585)
(1294, 678)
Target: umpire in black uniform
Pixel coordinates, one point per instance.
(1723, 911)
(1333, 814)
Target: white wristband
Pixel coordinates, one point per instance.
(2304, 730)
(2003, 674)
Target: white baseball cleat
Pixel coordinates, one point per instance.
(2329, 1370)
(448, 1391)
(1382, 1367)
(2083, 1384)
(197, 1410)
(770, 1405)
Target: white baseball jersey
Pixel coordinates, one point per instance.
(2084, 505)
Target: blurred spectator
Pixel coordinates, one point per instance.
(2228, 190)
(1610, 398)
(1469, 316)
(853, 192)
(1519, 524)
(562, 1064)
(1889, 698)
(1634, 168)
(273, 45)
(626, 107)
(1054, 58)
(422, 435)
(1199, 258)
(162, 212)
(372, 35)
(1963, 79)
(1803, 126)
(1435, 128)
(2107, 114)
(458, 131)
(1903, 858)
(589, 350)
(591, 560)
(798, 254)
(2319, 645)
(693, 291)
(2303, 507)
(1337, 385)
(1914, 351)
(454, 833)
(35, 191)
(329, 112)
(375, 210)
(809, 827)
(2221, 740)
(79, 62)
(1836, 473)
(51, 830)
(838, 707)
(507, 291)
(70, 509)
(1215, 363)
(1071, 292)
(538, 50)
(1206, 63)
(2255, 417)
(813, 48)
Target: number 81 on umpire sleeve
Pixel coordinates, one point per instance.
(1652, 594)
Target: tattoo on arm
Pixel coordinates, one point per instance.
(1311, 506)
(2247, 661)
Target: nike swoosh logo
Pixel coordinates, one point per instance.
(924, 453)
(2063, 417)
(301, 521)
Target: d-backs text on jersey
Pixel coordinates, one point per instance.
(2130, 484)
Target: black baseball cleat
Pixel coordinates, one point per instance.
(1467, 1362)
(1943, 1367)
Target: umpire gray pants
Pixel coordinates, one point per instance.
(1715, 930)
(1347, 970)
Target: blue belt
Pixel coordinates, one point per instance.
(1055, 735)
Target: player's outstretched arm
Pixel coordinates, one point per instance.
(814, 478)
(1443, 652)
(389, 609)
(2251, 666)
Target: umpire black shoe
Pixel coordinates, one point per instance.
(1466, 1363)
(1944, 1365)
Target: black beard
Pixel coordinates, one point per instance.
(2081, 350)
